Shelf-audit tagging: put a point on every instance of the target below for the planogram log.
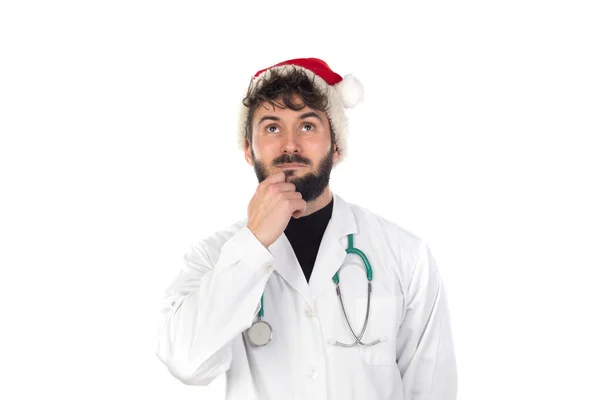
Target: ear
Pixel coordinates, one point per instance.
(336, 153)
(248, 154)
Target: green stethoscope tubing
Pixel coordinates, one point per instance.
(336, 280)
(261, 313)
(352, 250)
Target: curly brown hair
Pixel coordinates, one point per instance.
(278, 90)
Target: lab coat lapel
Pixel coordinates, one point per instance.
(287, 266)
(332, 250)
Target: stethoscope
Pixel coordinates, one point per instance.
(261, 332)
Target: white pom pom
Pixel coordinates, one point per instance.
(351, 91)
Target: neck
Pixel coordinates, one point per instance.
(318, 203)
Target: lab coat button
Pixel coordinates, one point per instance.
(309, 313)
(313, 373)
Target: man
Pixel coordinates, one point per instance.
(267, 301)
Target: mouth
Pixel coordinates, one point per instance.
(291, 166)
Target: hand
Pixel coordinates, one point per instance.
(272, 206)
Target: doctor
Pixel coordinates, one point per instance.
(310, 297)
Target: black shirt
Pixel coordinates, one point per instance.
(305, 234)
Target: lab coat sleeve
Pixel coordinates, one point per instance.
(425, 351)
(208, 305)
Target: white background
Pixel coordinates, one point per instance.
(478, 132)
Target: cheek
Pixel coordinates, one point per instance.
(264, 147)
(266, 157)
(317, 150)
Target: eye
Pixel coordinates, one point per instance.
(309, 126)
(272, 129)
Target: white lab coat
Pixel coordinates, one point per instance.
(216, 297)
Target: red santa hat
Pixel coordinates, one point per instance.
(341, 92)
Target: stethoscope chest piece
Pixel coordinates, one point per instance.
(260, 333)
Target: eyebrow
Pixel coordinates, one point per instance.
(268, 117)
(303, 116)
(311, 114)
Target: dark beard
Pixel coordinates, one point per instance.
(310, 185)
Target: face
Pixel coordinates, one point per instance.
(295, 142)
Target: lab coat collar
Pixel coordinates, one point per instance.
(330, 256)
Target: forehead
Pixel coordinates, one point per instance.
(267, 109)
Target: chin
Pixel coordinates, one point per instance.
(291, 174)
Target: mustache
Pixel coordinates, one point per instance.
(291, 159)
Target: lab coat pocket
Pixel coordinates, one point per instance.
(383, 316)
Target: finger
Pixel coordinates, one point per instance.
(275, 190)
(284, 187)
(296, 214)
(291, 195)
(279, 177)
(275, 178)
(297, 205)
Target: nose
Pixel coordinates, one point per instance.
(290, 144)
